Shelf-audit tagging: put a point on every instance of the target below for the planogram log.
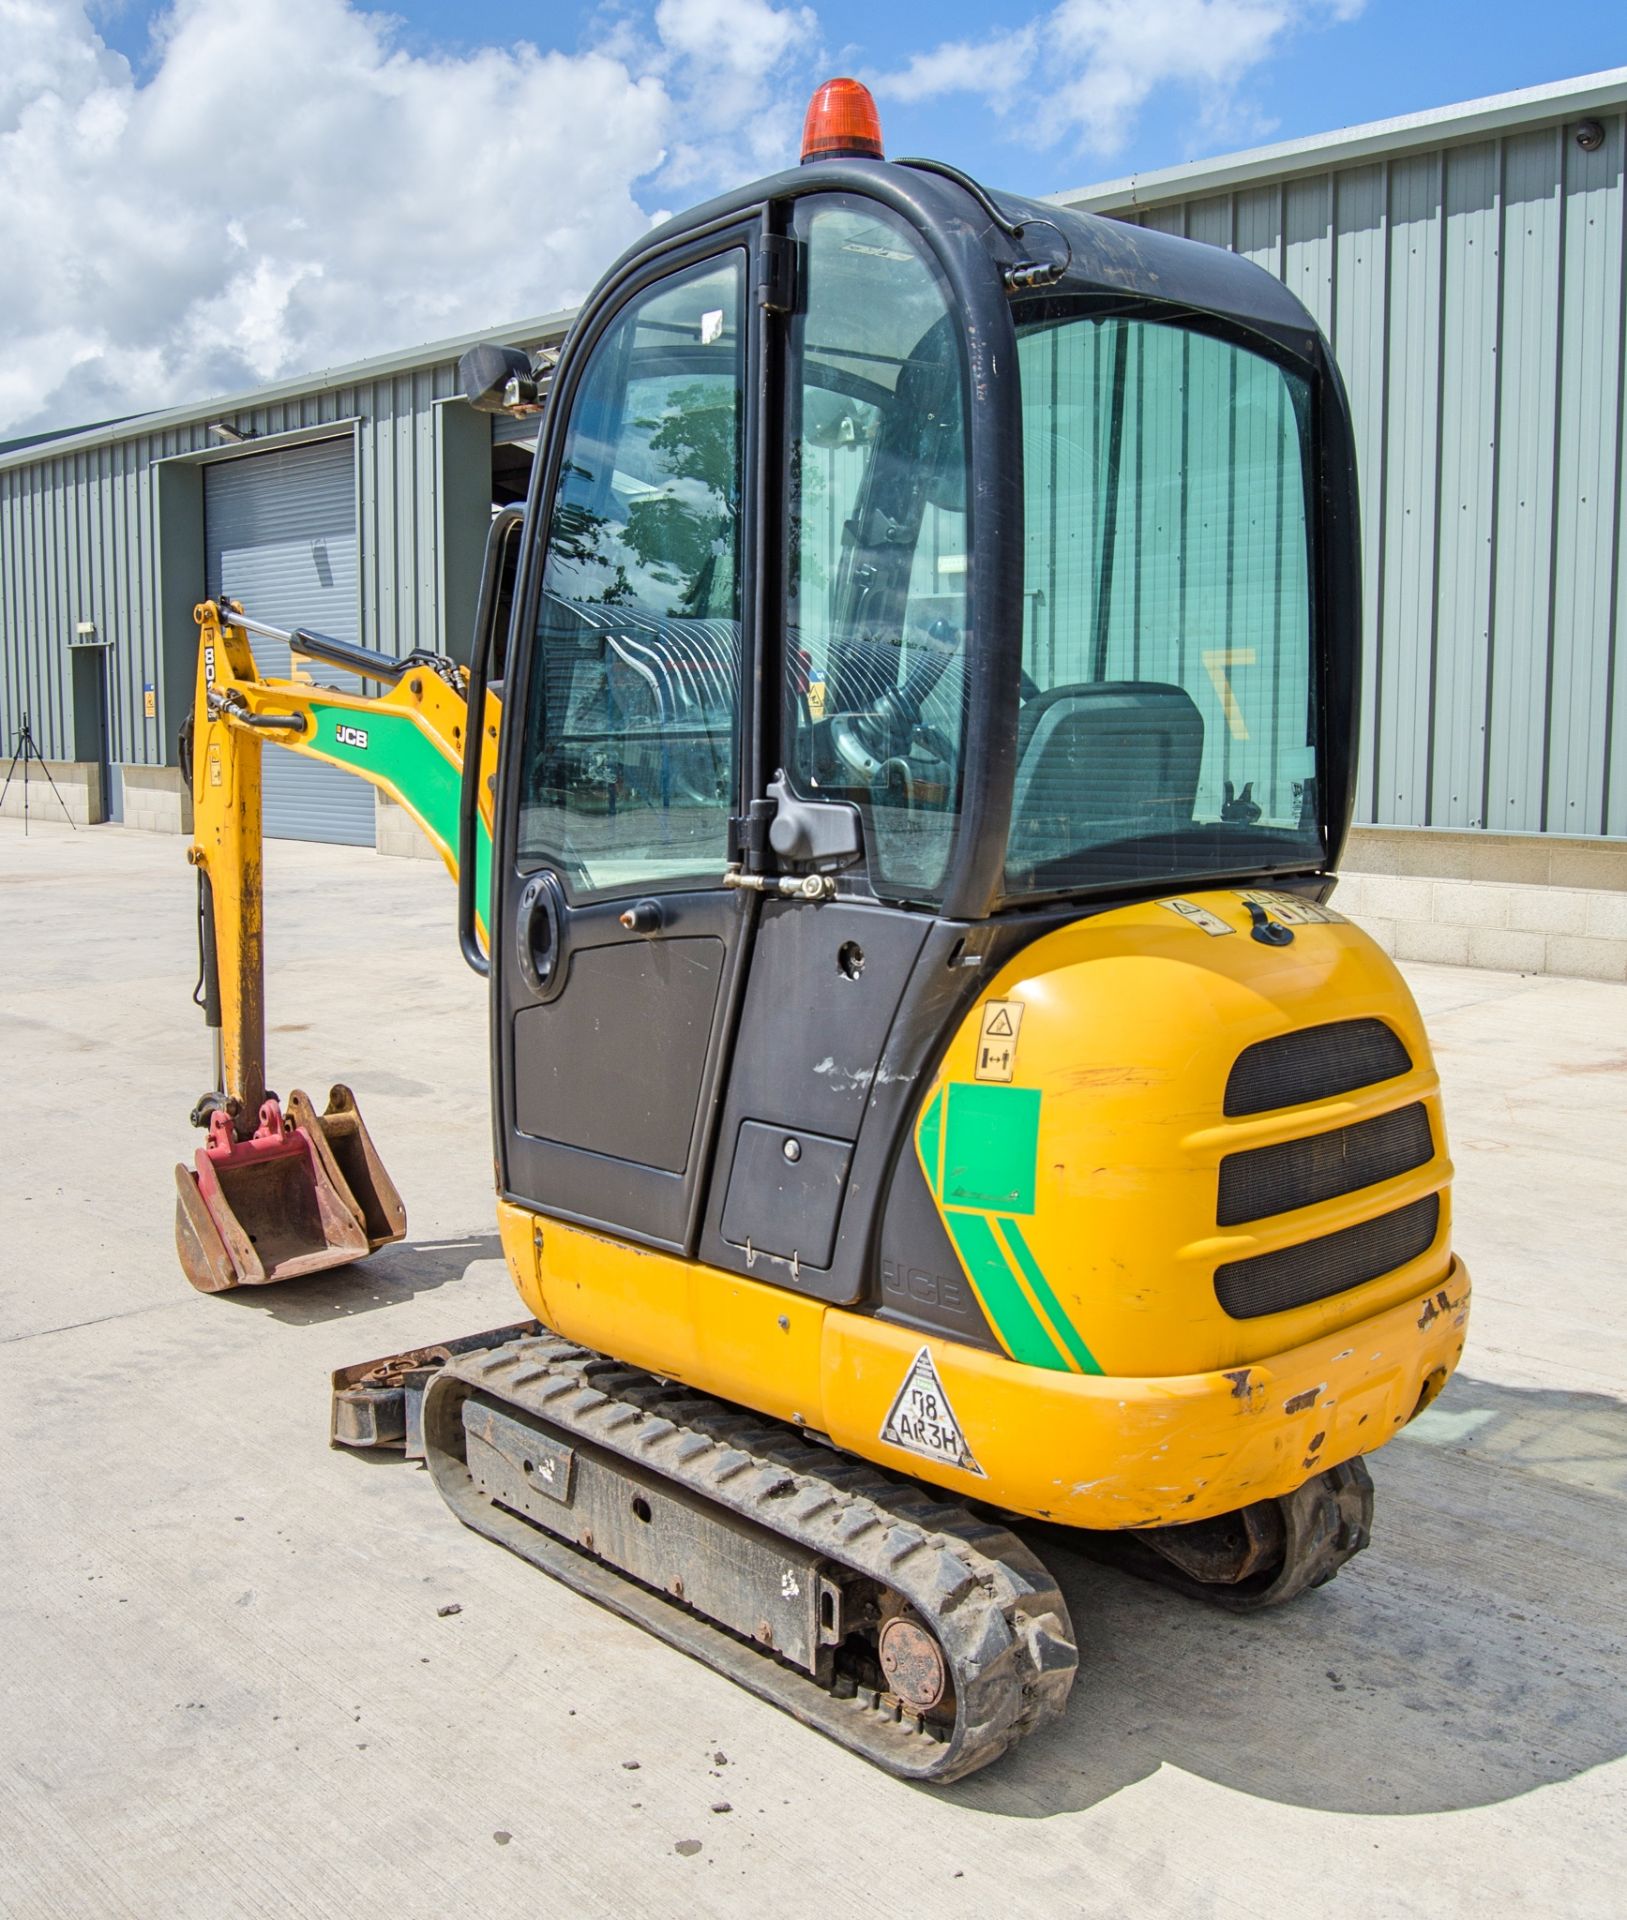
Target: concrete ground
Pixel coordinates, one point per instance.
(225, 1688)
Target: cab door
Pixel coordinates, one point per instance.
(618, 950)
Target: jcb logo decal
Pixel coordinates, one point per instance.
(351, 737)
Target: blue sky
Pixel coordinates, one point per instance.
(200, 196)
(1388, 57)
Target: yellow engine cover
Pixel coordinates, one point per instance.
(1157, 1365)
(1074, 1134)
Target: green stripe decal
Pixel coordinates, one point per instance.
(1019, 1326)
(979, 1148)
(402, 758)
(927, 1139)
(1066, 1331)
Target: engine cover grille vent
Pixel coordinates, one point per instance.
(1298, 1173)
(1295, 1276)
(1313, 1063)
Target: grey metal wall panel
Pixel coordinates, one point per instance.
(1406, 527)
(280, 538)
(1468, 439)
(1590, 341)
(1528, 367)
(1361, 279)
(1307, 261)
(80, 539)
(1476, 297)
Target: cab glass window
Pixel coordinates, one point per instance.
(628, 775)
(876, 633)
(1168, 720)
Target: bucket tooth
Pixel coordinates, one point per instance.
(264, 1209)
(351, 1162)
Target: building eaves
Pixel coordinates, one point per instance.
(547, 328)
(1561, 100)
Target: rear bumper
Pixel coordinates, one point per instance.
(1100, 1452)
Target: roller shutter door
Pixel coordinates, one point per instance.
(280, 537)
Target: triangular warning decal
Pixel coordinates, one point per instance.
(922, 1421)
(999, 1026)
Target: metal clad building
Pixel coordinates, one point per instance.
(1468, 267)
(106, 530)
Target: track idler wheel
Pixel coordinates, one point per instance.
(1260, 1555)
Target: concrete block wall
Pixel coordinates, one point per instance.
(396, 833)
(157, 799)
(79, 782)
(1514, 902)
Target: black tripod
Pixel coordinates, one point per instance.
(26, 751)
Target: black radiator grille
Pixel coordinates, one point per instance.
(1295, 1276)
(1298, 1173)
(1313, 1063)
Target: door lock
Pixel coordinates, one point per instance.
(643, 916)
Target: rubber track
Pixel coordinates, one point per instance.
(998, 1615)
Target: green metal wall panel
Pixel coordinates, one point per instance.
(1476, 297)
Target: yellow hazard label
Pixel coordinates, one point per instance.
(214, 766)
(997, 1039)
(816, 699)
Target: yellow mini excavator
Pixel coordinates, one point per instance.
(897, 824)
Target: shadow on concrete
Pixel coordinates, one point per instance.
(1473, 1653)
(384, 1279)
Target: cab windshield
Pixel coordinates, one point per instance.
(1167, 725)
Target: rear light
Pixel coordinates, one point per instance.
(842, 124)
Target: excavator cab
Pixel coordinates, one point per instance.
(908, 572)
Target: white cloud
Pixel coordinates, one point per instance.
(739, 68)
(284, 185)
(996, 68)
(289, 187)
(1079, 77)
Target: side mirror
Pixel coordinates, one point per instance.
(502, 379)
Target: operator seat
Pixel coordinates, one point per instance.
(1102, 761)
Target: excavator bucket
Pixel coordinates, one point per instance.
(263, 1209)
(351, 1162)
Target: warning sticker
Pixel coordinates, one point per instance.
(1199, 916)
(922, 1421)
(1293, 909)
(997, 1041)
